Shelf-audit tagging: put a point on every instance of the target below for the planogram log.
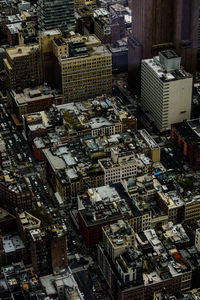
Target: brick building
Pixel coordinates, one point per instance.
(31, 100)
(12, 198)
(185, 136)
(46, 247)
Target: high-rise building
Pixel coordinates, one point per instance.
(159, 25)
(166, 89)
(85, 66)
(48, 249)
(23, 66)
(56, 14)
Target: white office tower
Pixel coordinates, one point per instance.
(197, 239)
(166, 89)
(56, 14)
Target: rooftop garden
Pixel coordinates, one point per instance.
(72, 121)
(122, 264)
(42, 214)
(185, 183)
(95, 169)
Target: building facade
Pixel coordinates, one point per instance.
(185, 137)
(159, 25)
(166, 89)
(23, 66)
(56, 14)
(86, 73)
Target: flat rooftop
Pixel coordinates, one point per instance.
(156, 66)
(50, 32)
(23, 50)
(12, 243)
(30, 95)
(106, 203)
(169, 54)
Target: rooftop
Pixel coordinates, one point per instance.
(22, 50)
(190, 130)
(109, 202)
(28, 221)
(12, 243)
(14, 181)
(32, 94)
(53, 282)
(5, 215)
(120, 234)
(162, 73)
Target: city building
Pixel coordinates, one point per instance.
(46, 244)
(166, 89)
(99, 116)
(178, 197)
(120, 55)
(117, 237)
(167, 25)
(15, 193)
(20, 281)
(28, 33)
(30, 100)
(62, 284)
(56, 14)
(93, 161)
(197, 240)
(102, 27)
(153, 148)
(19, 29)
(48, 250)
(85, 66)
(104, 205)
(111, 26)
(143, 192)
(185, 138)
(139, 269)
(47, 57)
(122, 164)
(189, 295)
(13, 249)
(23, 66)
(72, 170)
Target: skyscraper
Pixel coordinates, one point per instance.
(56, 14)
(164, 24)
